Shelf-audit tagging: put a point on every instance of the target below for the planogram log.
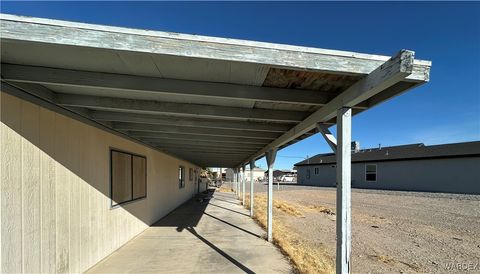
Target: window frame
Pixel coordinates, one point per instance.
(181, 182)
(370, 172)
(316, 170)
(190, 174)
(114, 204)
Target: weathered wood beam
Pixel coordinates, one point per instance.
(109, 116)
(204, 147)
(198, 156)
(206, 162)
(389, 93)
(29, 97)
(210, 154)
(159, 136)
(187, 122)
(328, 136)
(179, 109)
(195, 131)
(17, 28)
(214, 163)
(204, 158)
(388, 74)
(34, 89)
(155, 85)
(202, 143)
(227, 161)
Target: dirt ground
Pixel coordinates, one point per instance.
(392, 231)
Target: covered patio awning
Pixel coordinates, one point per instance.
(212, 101)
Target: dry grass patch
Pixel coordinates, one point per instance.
(290, 209)
(305, 257)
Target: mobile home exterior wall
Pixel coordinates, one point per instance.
(452, 175)
(56, 213)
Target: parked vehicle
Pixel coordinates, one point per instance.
(288, 178)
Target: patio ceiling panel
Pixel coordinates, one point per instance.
(211, 101)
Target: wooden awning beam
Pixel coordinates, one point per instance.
(386, 75)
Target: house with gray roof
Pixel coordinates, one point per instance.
(453, 168)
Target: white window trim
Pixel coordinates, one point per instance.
(114, 204)
(181, 183)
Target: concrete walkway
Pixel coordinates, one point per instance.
(214, 236)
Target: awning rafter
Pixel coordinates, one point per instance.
(189, 92)
(391, 72)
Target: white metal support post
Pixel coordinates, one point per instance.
(238, 183)
(270, 155)
(234, 181)
(243, 185)
(221, 177)
(252, 166)
(344, 225)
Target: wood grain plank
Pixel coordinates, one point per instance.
(84, 190)
(73, 166)
(388, 74)
(213, 48)
(94, 140)
(156, 86)
(62, 190)
(11, 185)
(71, 225)
(30, 188)
(47, 191)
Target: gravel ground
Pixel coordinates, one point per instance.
(393, 231)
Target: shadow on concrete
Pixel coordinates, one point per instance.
(231, 210)
(232, 225)
(187, 216)
(219, 251)
(62, 141)
(226, 201)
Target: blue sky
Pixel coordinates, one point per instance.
(445, 110)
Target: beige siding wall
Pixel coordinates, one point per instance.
(55, 191)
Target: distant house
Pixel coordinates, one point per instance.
(258, 174)
(451, 168)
